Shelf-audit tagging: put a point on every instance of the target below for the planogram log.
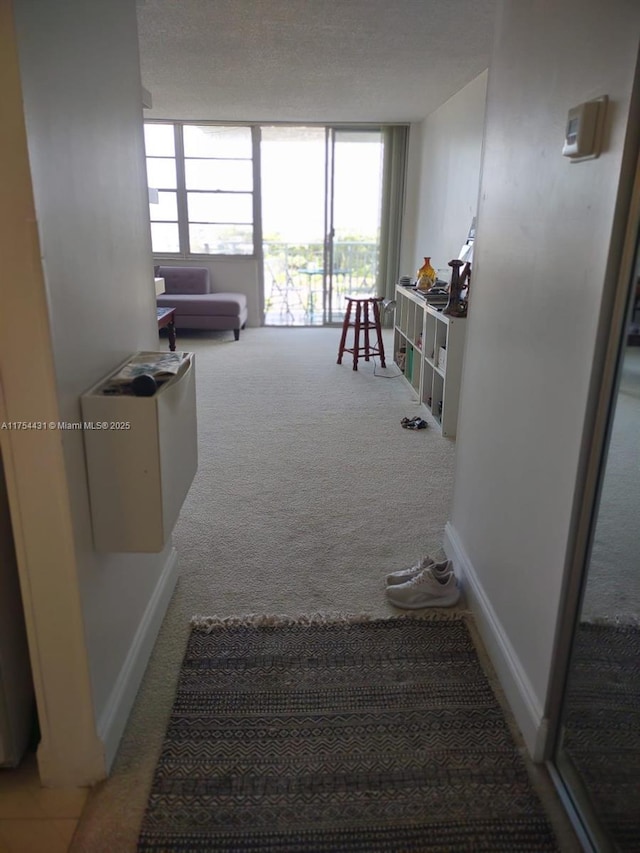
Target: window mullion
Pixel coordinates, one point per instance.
(257, 197)
(183, 213)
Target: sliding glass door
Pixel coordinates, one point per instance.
(354, 207)
(292, 170)
(321, 215)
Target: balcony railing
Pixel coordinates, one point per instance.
(294, 281)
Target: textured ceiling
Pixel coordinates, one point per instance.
(310, 60)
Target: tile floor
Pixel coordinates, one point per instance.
(35, 819)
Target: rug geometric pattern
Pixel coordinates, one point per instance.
(369, 736)
(601, 732)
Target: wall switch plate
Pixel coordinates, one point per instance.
(583, 134)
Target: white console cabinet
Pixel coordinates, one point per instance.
(141, 461)
(429, 348)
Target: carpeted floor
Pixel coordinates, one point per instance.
(365, 736)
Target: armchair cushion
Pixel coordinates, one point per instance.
(221, 304)
(187, 280)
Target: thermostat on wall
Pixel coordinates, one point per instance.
(583, 135)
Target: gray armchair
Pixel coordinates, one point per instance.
(197, 305)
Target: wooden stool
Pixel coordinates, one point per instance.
(362, 321)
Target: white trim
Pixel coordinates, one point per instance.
(517, 688)
(113, 719)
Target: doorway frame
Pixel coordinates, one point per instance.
(70, 752)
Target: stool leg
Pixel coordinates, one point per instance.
(376, 315)
(366, 331)
(345, 328)
(356, 341)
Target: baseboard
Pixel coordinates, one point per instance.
(114, 718)
(513, 679)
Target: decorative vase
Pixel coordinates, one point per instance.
(426, 275)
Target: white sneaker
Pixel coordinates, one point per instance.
(425, 590)
(404, 575)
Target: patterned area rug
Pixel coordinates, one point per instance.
(602, 726)
(345, 736)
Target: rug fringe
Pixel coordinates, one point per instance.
(275, 620)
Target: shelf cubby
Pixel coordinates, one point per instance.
(433, 346)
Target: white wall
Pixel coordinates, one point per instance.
(443, 178)
(81, 86)
(541, 266)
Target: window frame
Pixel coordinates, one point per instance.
(183, 222)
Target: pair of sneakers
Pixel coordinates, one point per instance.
(426, 584)
(413, 423)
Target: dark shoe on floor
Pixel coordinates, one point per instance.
(412, 423)
(416, 423)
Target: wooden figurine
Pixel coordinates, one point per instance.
(457, 305)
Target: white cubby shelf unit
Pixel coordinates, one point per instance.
(428, 346)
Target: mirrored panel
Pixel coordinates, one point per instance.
(599, 750)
